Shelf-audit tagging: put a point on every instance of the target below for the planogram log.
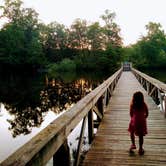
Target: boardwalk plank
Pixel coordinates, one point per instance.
(112, 141)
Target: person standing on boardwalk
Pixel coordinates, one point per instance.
(138, 124)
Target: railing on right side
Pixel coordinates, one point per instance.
(155, 88)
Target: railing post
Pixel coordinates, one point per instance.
(155, 88)
(106, 98)
(62, 156)
(165, 104)
(148, 86)
(90, 126)
(80, 142)
(161, 98)
(100, 105)
(156, 96)
(111, 89)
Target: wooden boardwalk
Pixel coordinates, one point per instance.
(111, 143)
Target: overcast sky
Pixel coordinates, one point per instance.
(131, 15)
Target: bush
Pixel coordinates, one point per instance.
(66, 65)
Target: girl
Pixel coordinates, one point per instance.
(138, 125)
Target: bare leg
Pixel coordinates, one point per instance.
(141, 141)
(132, 136)
(132, 147)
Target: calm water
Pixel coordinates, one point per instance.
(28, 103)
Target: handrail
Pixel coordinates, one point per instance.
(45, 144)
(155, 88)
(160, 85)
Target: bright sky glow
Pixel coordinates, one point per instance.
(131, 15)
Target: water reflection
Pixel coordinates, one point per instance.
(28, 103)
(24, 121)
(19, 97)
(59, 96)
(28, 99)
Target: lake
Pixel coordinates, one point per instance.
(28, 103)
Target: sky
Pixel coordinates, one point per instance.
(131, 15)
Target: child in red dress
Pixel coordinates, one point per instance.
(138, 125)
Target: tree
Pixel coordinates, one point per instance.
(19, 37)
(26, 41)
(111, 29)
(95, 36)
(150, 50)
(12, 10)
(78, 34)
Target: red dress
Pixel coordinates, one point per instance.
(138, 124)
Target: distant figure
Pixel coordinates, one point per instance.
(138, 124)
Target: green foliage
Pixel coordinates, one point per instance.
(95, 36)
(111, 30)
(102, 61)
(19, 38)
(11, 44)
(150, 51)
(12, 10)
(24, 41)
(66, 65)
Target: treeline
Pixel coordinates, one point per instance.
(150, 50)
(26, 42)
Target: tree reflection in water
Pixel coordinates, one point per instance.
(55, 96)
(24, 120)
(59, 96)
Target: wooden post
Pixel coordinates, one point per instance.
(108, 97)
(90, 126)
(157, 97)
(141, 80)
(100, 105)
(144, 85)
(147, 87)
(161, 100)
(111, 89)
(80, 142)
(165, 104)
(62, 156)
(105, 98)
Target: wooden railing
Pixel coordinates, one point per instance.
(45, 145)
(155, 88)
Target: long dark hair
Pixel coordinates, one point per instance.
(137, 100)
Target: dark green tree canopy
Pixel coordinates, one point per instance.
(24, 40)
(150, 50)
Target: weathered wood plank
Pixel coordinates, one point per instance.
(160, 85)
(112, 141)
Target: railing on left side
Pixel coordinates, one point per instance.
(39, 150)
(155, 88)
